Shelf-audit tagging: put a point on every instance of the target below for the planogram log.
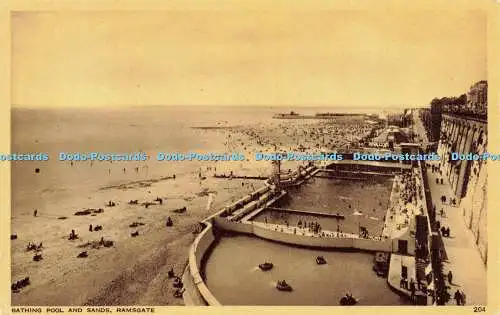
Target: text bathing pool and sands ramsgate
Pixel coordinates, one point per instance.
(77, 309)
(239, 156)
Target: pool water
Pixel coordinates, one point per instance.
(232, 274)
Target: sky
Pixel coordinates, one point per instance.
(290, 58)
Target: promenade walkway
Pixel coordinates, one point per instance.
(419, 129)
(395, 219)
(399, 214)
(464, 260)
(394, 276)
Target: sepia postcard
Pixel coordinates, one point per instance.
(299, 157)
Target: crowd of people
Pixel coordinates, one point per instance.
(406, 202)
(409, 187)
(303, 135)
(283, 222)
(296, 221)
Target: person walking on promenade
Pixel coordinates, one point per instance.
(412, 289)
(450, 277)
(443, 199)
(35, 213)
(463, 297)
(458, 297)
(402, 283)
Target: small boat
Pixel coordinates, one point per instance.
(381, 263)
(266, 266)
(320, 260)
(283, 286)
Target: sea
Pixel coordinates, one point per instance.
(149, 129)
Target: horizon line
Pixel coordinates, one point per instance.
(44, 106)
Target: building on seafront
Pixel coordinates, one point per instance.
(477, 97)
(473, 104)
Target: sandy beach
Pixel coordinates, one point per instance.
(134, 270)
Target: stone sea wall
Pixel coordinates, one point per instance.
(474, 210)
(468, 178)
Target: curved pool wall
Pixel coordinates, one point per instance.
(197, 292)
(259, 230)
(234, 260)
